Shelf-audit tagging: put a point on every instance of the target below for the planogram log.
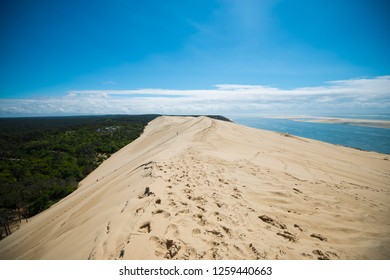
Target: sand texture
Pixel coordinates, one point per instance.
(197, 188)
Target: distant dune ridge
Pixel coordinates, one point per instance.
(198, 188)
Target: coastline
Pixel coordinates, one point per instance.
(347, 121)
(200, 189)
(334, 130)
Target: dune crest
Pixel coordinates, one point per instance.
(198, 188)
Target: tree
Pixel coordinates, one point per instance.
(5, 219)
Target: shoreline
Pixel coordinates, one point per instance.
(347, 121)
(369, 137)
(218, 190)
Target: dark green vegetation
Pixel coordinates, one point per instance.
(43, 159)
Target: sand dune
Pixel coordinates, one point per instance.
(197, 188)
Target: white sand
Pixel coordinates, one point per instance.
(348, 121)
(218, 190)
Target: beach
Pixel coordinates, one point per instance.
(199, 188)
(331, 120)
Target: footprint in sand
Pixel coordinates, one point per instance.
(145, 227)
(215, 232)
(228, 231)
(139, 211)
(289, 236)
(215, 254)
(188, 253)
(164, 213)
(146, 193)
(216, 214)
(172, 230)
(273, 222)
(196, 232)
(219, 204)
(259, 256)
(200, 219)
(167, 248)
(121, 254)
(298, 227)
(184, 211)
(323, 255)
(319, 236)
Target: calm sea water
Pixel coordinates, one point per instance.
(365, 138)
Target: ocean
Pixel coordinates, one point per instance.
(360, 137)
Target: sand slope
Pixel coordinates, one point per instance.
(196, 188)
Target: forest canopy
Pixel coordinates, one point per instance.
(43, 159)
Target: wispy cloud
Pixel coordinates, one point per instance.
(353, 96)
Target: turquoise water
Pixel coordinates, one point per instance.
(365, 138)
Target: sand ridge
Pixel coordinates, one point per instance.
(198, 188)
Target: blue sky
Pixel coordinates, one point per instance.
(194, 56)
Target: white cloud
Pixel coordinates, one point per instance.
(352, 95)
